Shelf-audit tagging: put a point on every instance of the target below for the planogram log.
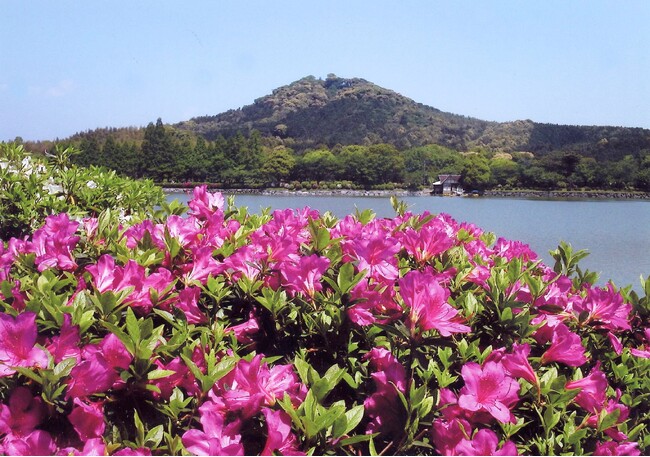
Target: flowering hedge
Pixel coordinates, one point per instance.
(224, 332)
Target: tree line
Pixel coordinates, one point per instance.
(169, 155)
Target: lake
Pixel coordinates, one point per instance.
(615, 232)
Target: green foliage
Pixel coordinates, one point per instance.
(32, 188)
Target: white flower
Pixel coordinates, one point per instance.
(91, 184)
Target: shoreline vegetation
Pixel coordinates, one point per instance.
(495, 193)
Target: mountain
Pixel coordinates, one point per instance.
(313, 111)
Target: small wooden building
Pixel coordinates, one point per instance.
(447, 185)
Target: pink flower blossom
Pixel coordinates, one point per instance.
(87, 418)
(217, 437)
(516, 363)
(304, 276)
(251, 385)
(17, 346)
(431, 240)
(593, 390)
(23, 414)
(280, 439)
(93, 446)
(182, 377)
(447, 434)
(204, 204)
(187, 302)
(375, 252)
(485, 442)
(614, 448)
(99, 369)
(427, 305)
(204, 265)
(37, 442)
(384, 408)
(604, 309)
(54, 242)
(488, 388)
(245, 331)
(514, 249)
(373, 303)
(66, 345)
(566, 347)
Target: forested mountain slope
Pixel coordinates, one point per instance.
(313, 111)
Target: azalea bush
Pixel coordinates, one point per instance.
(34, 187)
(293, 332)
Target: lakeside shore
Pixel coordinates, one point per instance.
(532, 194)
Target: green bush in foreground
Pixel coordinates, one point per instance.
(32, 188)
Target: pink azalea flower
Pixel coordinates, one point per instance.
(304, 276)
(375, 252)
(66, 345)
(516, 363)
(54, 242)
(93, 446)
(23, 414)
(384, 407)
(182, 377)
(489, 389)
(133, 275)
(17, 346)
(373, 304)
(431, 240)
(251, 385)
(245, 331)
(37, 442)
(593, 390)
(485, 442)
(204, 204)
(427, 303)
(217, 437)
(136, 233)
(514, 249)
(280, 439)
(566, 347)
(605, 309)
(614, 448)
(87, 418)
(448, 434)
(99, 369)
(204, 265)
(103, 273)
(611, 406)
(188, 303)
(7, 258)
(246, 261)
(184, 230)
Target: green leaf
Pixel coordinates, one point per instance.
(154, 437)
(132, 326)
(158, 374)
(64, 367)
(348, 422)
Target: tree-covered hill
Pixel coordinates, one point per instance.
(313, 111)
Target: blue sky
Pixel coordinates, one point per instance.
(72, 66)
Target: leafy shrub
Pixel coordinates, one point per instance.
(32, 188)
(225, 332)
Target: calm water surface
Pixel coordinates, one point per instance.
(615, 232)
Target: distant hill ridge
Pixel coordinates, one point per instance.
(335, 110)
